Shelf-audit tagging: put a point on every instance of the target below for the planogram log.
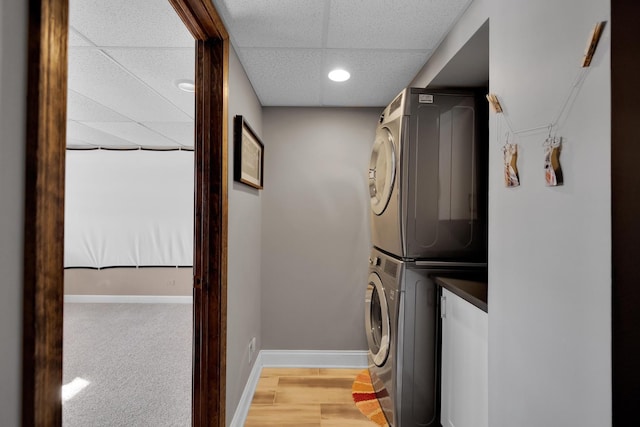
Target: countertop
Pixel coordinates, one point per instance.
(471, 291)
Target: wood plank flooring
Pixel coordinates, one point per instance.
(305, 397)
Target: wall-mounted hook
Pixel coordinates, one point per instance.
(495, 104)
(596, 33)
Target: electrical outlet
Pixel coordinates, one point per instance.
(252, 348)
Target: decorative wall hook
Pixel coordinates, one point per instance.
(596, 33)
(510, 152)
(495, 104)
(552, 170)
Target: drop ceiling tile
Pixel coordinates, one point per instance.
(282, 23)
(180, 132)
(382, 24)
(95, 76)
(83, 109)
(135, 133)
(129, 23)
(284, 77)
(78, 133)
(160, 69)
(376, 76)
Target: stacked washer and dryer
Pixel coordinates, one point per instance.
(427, 182)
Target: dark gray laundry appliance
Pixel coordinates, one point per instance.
(402, 325)
(428, 189)
(426, 175)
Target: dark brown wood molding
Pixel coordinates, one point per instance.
(210, 269)
(201, 19)
(44, 213)
(210, 263)
(625, 210)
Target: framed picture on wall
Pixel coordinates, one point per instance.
(248, 154)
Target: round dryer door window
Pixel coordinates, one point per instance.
(377, 320)
(382, 171)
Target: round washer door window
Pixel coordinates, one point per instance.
(377, 320)
(382, 171)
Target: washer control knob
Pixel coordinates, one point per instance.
(374, 261)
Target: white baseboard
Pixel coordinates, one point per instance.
(314, 359)
(240, 415)
(293, 359)
(137, 299)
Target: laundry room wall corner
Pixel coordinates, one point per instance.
(315, 229)
(244, 242)
(549, 248)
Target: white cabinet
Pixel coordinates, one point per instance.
(464, 363)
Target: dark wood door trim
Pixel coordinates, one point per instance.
(201, 19)
(210, 268)
(625, 210)
(44, 213)
(210, 263)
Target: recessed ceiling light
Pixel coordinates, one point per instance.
(186, 85)
(339, 75)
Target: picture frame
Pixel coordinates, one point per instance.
(248, 154)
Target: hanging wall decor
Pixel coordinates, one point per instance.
(552, 145)
(248, 154)
(596, 33)
(552, 169)
(511, 177)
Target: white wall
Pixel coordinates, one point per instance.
(243, 271)
(13, 78)
(315, 229)
(549, 248)
(128, 208)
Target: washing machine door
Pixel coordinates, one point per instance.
(382, 170)
(377, 320)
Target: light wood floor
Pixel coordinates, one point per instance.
(305, 397)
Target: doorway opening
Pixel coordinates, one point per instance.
(129, 185)
(44, 211)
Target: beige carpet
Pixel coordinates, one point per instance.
(136, 360)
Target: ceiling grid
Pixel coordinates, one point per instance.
(125, 59)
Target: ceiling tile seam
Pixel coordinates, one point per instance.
(141, 81)
(166, 136)
(325, 23)
(338, 49)
(125, 140)
(100, 104)
(154, 48)
(82, 36)
(134, 144)
(83, 141)
(325, 37)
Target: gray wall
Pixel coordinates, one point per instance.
(13, 77)
(315, 228)
(245, 210)
(549, 248)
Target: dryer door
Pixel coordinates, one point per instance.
(382, 170)
(377, 320)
